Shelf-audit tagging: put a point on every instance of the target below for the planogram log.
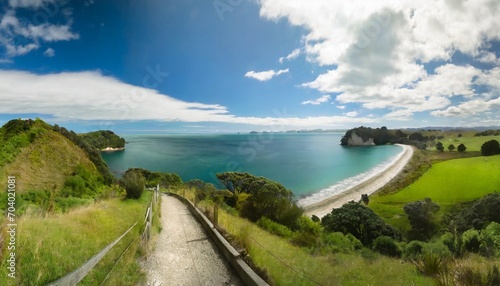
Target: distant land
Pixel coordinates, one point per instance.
(428, 128)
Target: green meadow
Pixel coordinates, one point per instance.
(472, 143)
(446, 183)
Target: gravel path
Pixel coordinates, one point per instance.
(183, 254)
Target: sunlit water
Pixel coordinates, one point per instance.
(304, 163)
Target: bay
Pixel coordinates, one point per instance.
(303, 162)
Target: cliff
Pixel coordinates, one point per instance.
(366, 136)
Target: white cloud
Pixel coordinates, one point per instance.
(470, 108)
(51, 33)
(294, 54)
(378, 52)
(91, 96)
(352, 114)
(265, 75)
(49, 52)
(19, 36)
(317, 101)
(342, 107)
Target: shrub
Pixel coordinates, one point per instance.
(471, 241)
(134, 183)
(386, 245)
(336, 242)
(274, 227)
(490, 240)
(413, 250)
(450, 241)
(437, 248)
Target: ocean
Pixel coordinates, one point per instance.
(303, 162)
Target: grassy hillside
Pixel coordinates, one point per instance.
(46, 163)
(54, 169)
(52, 246)
(446, 183)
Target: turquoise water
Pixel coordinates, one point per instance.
(304, 163)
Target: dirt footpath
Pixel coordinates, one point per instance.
(183, 254)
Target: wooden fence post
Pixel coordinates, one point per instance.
(216, 215)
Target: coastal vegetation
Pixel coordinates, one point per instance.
(103, 139)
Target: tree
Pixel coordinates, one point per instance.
(420, 215)
(417, 136)
(358, 220)
(451, 147)
(134, 183)
(461, 148)
(440, 147)
(480, 214)
(490, 148)
(256, 197)
(365, 199)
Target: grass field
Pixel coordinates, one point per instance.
(53, 246)
(472, 143)
(446, 183)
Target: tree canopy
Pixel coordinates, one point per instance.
(461, 148)
(263, 197)
(102, 139)
(420, 215)
(440, 147)
(358, 220)
(490, 148)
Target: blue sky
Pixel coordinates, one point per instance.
(239, 65)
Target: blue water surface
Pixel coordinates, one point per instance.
(303, 162)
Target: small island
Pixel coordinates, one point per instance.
(104, 140)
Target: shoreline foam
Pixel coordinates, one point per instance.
(324, 201)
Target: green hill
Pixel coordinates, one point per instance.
(53, 167)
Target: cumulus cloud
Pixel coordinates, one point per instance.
(49, 52)
(380, 55)
(352, 114)
(91, 96)
(317, 101)
(294, 54)
(265, 75)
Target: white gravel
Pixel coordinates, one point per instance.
(183, 254)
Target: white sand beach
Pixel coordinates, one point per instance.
(368, 186)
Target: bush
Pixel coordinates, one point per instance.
(134, 183)
(490, 240)
(437, 248)
(450, 241)
(274, 227)
(471, 241)
(386, 245)
(337, 242)
(413, 250)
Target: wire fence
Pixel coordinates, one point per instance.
(79, 274)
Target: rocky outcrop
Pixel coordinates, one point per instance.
(355, 140)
